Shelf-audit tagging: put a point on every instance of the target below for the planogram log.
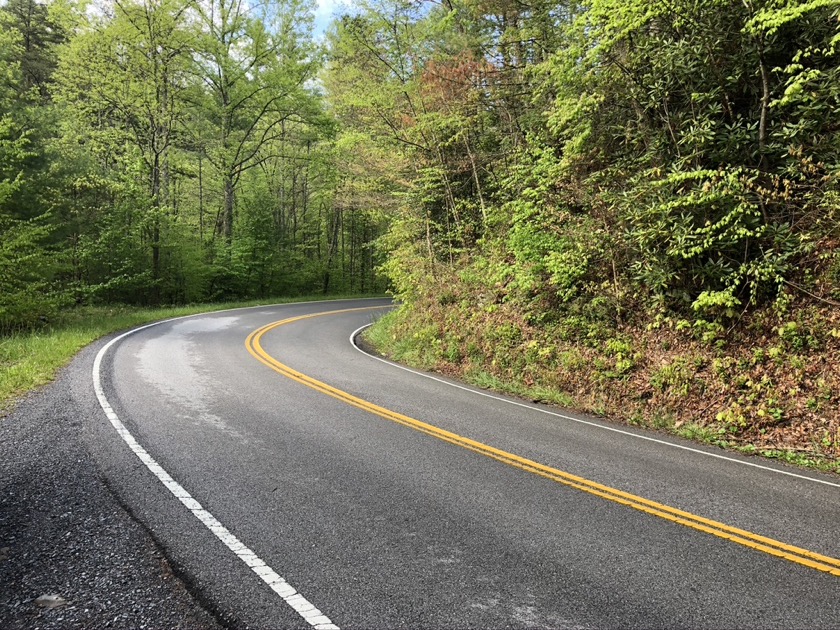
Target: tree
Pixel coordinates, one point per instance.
(254, 64)
(40, 35)
(126, 81)
(27, 267)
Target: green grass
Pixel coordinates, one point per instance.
(484, 380)
(410, 351)
(708, 435)
(417, 354)
(31, 360)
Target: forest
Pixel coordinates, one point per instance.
(168, 153)
(627, 206)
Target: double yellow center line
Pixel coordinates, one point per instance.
(742, 537)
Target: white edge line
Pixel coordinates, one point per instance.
(303, 607)
(356, 332)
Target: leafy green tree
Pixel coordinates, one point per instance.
(254, 66)
(670, 131)
(40, 36)
(125, 81)
(27, 267)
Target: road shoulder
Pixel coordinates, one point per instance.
(64, 532)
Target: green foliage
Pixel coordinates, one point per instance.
(40, 33)
(796, 338)
(676, 120)
(131, 173)
(26, 270)
(678, 376)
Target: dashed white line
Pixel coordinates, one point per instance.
(314, 617)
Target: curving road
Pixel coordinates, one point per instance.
(301, 483)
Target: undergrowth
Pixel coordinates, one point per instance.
(768, 386)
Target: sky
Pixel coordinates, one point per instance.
(324, 13)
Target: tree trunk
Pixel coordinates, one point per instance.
(227, 213)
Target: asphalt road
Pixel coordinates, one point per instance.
(399, 500)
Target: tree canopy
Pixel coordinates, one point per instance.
(644, 157)
(168, 151)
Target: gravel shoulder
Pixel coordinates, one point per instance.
(64, 532)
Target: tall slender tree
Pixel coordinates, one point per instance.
(125, 81)
(254, 62)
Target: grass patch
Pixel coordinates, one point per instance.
(414, 351)
(804, 460)
(552, 396)
(485, 380)
(30, 360)
(419, 351)
(711, 436)
(700, 433)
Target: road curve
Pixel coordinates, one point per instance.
(288, 506)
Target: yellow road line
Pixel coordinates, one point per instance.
(742, 537)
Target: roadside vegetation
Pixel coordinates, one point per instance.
(31, 359)
(631, 207)
(628, 207)
(769, 389)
